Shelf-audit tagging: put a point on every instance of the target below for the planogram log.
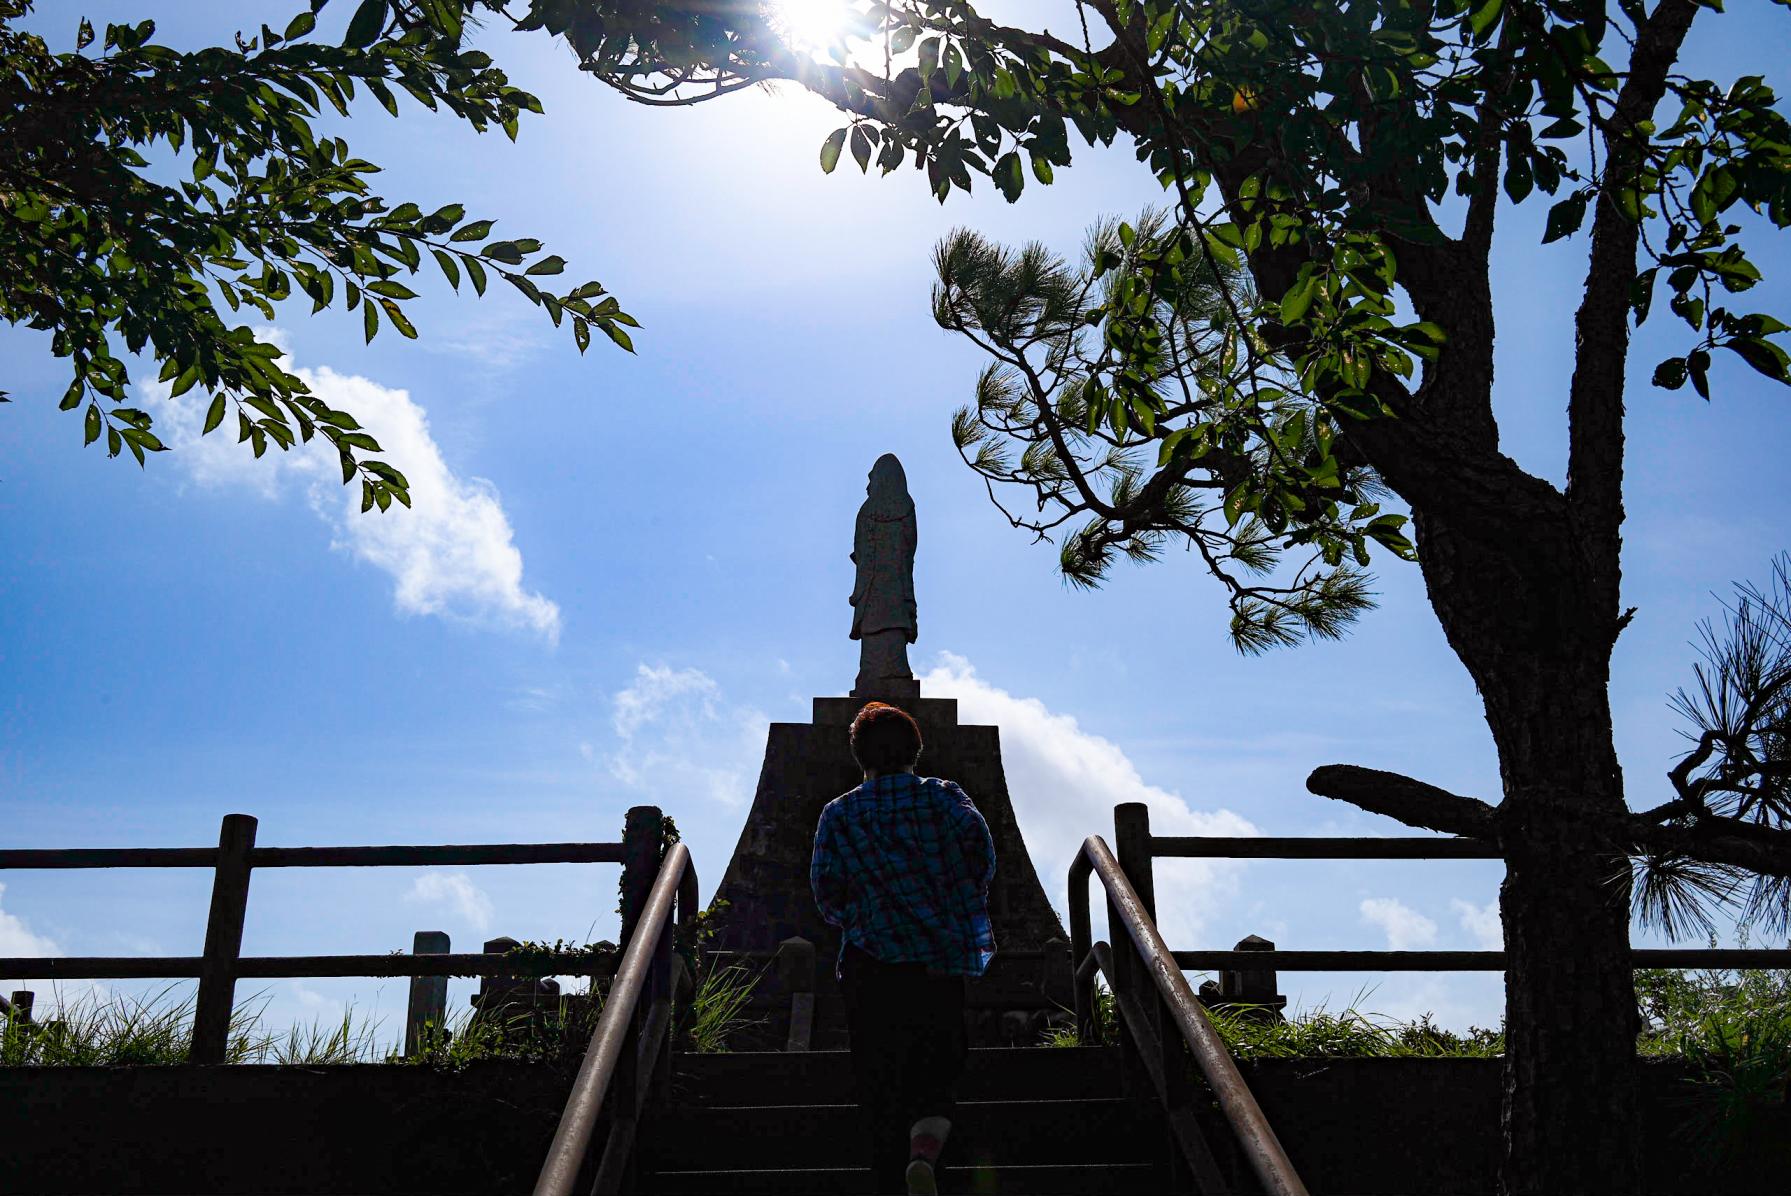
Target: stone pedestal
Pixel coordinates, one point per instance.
(766, 884)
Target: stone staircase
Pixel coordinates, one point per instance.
(1040, 1120)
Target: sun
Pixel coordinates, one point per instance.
(810, 27)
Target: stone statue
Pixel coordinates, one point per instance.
(883, 614)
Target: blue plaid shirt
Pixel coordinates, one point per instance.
(902, 866)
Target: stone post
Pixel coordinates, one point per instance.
(1251, 990)
(795, 962)
(428, 994)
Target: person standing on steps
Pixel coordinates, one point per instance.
(902, 866)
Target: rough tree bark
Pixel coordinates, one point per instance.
(1536, 636)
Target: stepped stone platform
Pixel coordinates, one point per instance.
(766, 884)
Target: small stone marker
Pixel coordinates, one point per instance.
(1251, 991)
(795, 963)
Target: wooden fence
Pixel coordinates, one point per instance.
(1136, 848)
(235, 859)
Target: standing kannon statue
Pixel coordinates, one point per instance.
(883, 612)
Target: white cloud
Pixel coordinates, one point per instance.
(452, 553)
(1404, 926)
(16, 938)
(455, 890)
(1065, 782)
(1481, 921)
(495, 347)
(678, 735)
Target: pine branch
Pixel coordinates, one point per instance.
(1412, 802)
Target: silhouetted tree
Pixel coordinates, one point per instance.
(1349, 161)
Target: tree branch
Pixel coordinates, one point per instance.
(1410, 801)
(1759, 849)
(1595, 407)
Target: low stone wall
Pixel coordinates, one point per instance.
(1417, 1127)
(1426, 1127)
(366, 1128)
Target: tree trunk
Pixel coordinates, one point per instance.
(1524, 617)
(1570, 1112)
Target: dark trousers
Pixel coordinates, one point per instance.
(908, 1050)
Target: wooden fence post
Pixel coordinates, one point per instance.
(223, 940)
(642, 833)
(1131, 845)
(428, 994)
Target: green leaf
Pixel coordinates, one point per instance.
(214, 414)
(616, 334)
(1764, 356)
(476, 231)
(391, 289)
(94, 423)
(1298, 299)
(450, 270)
(1565, 217)
(366, 24)
(369, 320)
(399, 320)
(548, 265)
(830, 150)
(1009, 176)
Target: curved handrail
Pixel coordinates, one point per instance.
(1267, 1159)
(572, 1139)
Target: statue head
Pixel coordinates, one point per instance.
(887, 479)
(888, 490)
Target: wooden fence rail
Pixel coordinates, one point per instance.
(1136, 848)
(234, 860)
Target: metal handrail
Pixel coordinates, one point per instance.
(623, 1039)
(1261, 1147)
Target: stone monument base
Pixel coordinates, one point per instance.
(769, 900)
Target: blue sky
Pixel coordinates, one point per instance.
(630, 564)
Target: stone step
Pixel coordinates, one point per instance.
(1106, 1179)
(825, 1077)
(984, 1133)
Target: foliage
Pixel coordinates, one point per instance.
(557, 1032)
(141, 185)
(1041, 322)
(1734, 1027)
(1736, 779)
(1313, 1033)
(97, 1029)
(1325, 151)
(717, 1009)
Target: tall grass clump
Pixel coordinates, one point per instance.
(109, 1029)
(717, 1008)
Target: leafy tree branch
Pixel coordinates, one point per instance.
(245, 202)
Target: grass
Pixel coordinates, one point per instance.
(717, 1009)
(1314, 1034)
(119, 1030)
(123, 1031)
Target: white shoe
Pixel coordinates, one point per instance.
(920, 1179)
